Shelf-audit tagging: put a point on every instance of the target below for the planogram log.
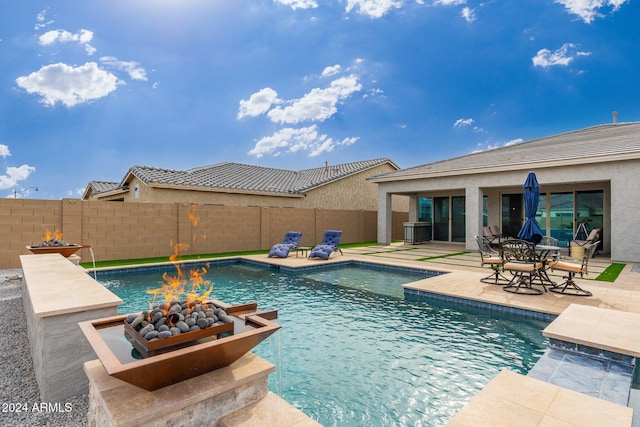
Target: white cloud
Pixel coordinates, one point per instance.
(318, 104)
(462, 122)
(372, 8)
(298, 4)
(14, 175)
(78, 192)
(468, 14)
(63, 36)
(292, 140)
(330, 71)
(4, 150)
(562, 56)
(258, 103)
(40, 20)
(449, 2)
(135, 71)
(588, 10)
(513, 142)
(69, 85)
(489, 146)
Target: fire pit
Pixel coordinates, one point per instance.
(52, 243)
(155, 363)
(66, 250)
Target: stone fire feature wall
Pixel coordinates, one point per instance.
(119, 230)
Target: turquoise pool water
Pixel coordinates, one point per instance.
(354, 352)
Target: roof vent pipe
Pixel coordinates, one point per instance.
(326, 166)
(615, 117)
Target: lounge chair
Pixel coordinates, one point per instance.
(329, 244)
(493, 258)
(593, 236)
(580, 267)
(493, 236)
(291, 241)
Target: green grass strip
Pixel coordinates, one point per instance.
(611, 273)
(140, 261)
(357, 245)
(443, 256)
(388, 251)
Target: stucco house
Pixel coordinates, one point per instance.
(591, 173)
(342, 186)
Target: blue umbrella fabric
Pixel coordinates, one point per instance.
(530, 230)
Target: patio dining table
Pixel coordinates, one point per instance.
(544, 251)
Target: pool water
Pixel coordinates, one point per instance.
(353, 352)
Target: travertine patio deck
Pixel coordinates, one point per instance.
(504, 400)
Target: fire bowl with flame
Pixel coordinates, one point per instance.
(150, 362)
(64, 250)
(52, 243)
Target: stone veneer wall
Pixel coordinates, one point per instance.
(117, 230)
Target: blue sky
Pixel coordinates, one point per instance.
(89, 89)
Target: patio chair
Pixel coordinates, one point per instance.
(521, 260)
(580, 266)
(592, 237)
(291, 241)
(493, 236)
(330, 244)
(492, 258)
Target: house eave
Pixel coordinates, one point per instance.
(512, 166)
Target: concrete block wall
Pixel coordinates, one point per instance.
(117, 230)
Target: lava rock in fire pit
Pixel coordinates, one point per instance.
(176, 317)
(53, 242)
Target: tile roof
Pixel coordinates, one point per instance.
(587, 145)
(103, 186)
(241, 177)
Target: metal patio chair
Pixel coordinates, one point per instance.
(492, 258)
(521, 260)
(581, 267)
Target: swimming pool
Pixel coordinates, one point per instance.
(355, 355)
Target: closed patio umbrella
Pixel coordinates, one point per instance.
(530, 230)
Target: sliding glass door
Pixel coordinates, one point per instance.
(441, 219)
(458, 227)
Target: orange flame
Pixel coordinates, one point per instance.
(48, 235)
(181, 286)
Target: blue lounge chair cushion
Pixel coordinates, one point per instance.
(291, 240)
(322, 251)
(280, 250)
(329, 244)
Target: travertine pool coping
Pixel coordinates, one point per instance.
(57, 286)
(511, 399)
(604, 329)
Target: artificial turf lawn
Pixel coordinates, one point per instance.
(138, 261)
(611, 273)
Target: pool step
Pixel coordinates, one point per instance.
(605, 378)
(270, 411)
